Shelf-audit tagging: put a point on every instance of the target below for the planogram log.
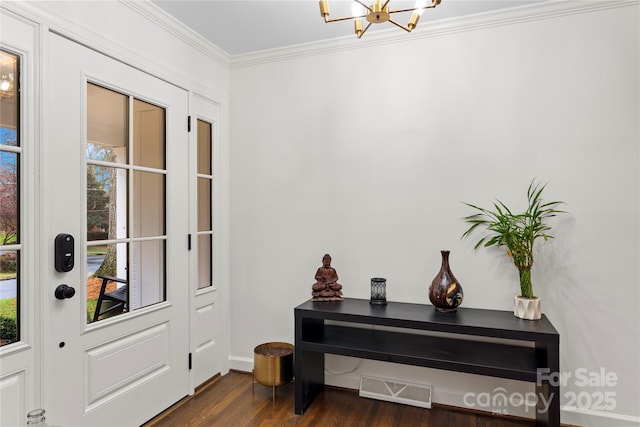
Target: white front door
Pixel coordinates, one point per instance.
(116, 167)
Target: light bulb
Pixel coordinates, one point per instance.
(357, 25)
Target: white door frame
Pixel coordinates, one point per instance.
(20, 373)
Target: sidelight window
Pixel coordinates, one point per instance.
(11, 246)
(205, 207)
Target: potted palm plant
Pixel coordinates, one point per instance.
(517, 232)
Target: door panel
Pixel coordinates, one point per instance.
(205, 255)
(125, 362)
(124, 369)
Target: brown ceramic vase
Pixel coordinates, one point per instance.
(445, 292)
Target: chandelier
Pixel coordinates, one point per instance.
(378, 13)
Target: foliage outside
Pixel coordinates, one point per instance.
(517, 232)
(8, 265)
(8, 329)
(101, 206)
(9, 200)
(91, 309)
(8, 307)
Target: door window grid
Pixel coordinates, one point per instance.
(204, 178)
(11, 157)
(131, 161)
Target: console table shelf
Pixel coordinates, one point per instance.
(496, 360)
(415, 334)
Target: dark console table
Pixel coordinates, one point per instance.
(456, 351)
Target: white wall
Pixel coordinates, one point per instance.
(367, 153)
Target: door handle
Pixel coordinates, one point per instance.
(64, 291)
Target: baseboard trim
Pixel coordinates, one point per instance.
(243, 364)
(588, 417)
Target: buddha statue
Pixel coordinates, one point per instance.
(326, 287)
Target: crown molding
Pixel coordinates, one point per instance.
(162, 19)
(51, 22)
(533, 12)
(146, 9)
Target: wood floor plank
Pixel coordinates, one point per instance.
(234, 401)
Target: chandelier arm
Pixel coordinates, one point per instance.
(346, 18)
(385, 4)
(365, 30)
(399, 26)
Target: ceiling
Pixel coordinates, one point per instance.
(242, 26)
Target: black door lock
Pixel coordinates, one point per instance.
(64, 291)
(64, 252)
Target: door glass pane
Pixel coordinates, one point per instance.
(148, 203)
(125, 203)
(204, 261)
(204, 147)
(147, 275)
(107, 124)
(106, 203)
(9, 224)
(10, 241)
(107, 266)
(9, 97)
(8, 136)
(204, 204)
(148, 135)
(9, 294)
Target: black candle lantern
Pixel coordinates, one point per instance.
(378, 291)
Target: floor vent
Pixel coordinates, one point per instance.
(396, 391)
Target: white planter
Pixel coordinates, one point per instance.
(527, 308)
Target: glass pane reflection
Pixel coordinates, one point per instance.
(148, 135)
(107, 124)
(9, 95)
(148, 204)
(204, 148)
(204, 204)
(147, 273)
(205, 278)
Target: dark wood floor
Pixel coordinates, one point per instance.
(228, 401)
